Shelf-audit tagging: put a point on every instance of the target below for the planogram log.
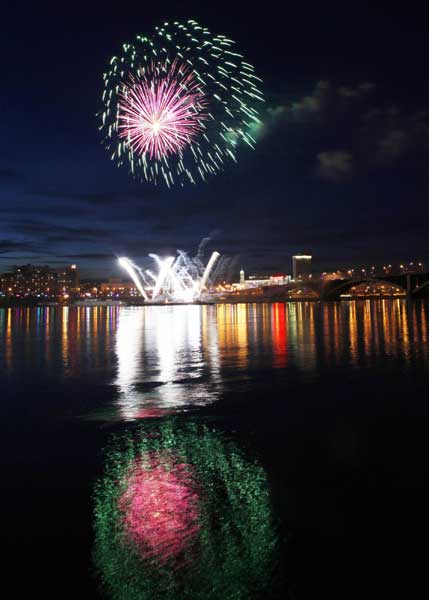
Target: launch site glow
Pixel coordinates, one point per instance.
(178, 279)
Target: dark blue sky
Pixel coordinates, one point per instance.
(340, 168)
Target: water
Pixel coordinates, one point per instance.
(274, 450)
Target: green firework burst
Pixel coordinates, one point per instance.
(222, 118)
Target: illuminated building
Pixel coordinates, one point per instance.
(117, 287)
(74, 277)
(35, 281)
(301, 266)
(68, 280)
(29, 280)
(256, 281)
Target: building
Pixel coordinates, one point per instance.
(118, 288)
(301, 266)
(29, 280)
(68, 280)
(37, 281)
(255, 281)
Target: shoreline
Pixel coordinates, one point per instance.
(103, 304)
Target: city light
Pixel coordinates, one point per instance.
(185, 280)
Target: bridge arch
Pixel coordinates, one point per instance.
(334, 289)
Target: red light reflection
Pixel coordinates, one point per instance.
(279, 338)
(159, 506)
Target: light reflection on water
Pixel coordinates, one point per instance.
(161, 359)
(339, 474)
(167, 358)
(182, 512)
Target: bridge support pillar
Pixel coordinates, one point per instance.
(408, 284)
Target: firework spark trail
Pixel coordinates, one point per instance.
(181, 279)
(165, 267)
(179, 104)
(215, 255)
(161, 115)
(131, 270)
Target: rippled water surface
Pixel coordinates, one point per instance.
(229, 451)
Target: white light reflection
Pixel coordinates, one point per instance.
(167, 359)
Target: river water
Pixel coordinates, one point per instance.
(230, 451)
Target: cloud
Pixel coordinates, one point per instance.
(95, 198)
(55, 231)
(90, 255)
(8, 246)
(393, 145)
(309, 106)
(324, 99)
(399, 136)
(326, 102)
(359, 91)
(335, 166)
(9, 174)
(367, 134)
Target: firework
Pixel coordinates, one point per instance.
(161, 112)
(178, 279)
(178, 104)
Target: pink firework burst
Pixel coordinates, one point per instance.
(161, 111)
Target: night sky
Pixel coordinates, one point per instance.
(340, 168)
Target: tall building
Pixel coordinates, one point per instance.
(242, 279)
(74, 277)
(301, 266)
(68, 280)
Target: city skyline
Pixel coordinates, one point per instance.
(232, 266)
(186, 280)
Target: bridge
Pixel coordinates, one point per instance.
(415, 285)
